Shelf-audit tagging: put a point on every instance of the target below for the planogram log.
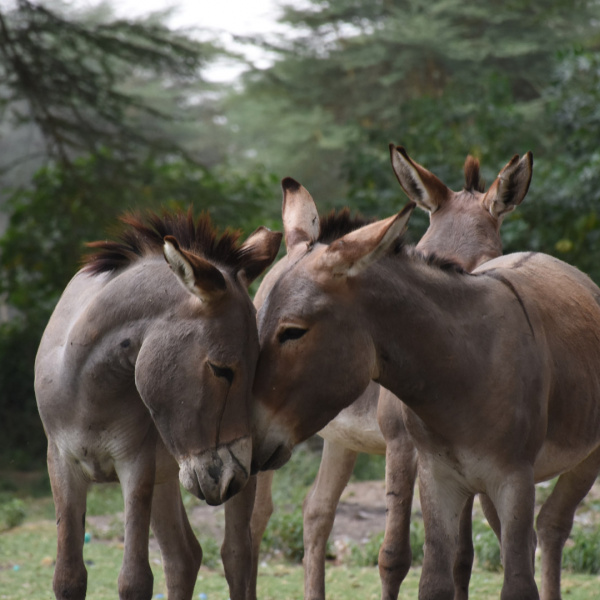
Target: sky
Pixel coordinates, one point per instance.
(229, 17)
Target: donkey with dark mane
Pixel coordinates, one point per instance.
(464, 228)
(145, 371)
(497, 370)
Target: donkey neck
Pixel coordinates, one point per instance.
(430, 327)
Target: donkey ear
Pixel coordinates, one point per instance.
(353, 253)
(300, 216)
(259, 251)
(419, 184)
(510, 187)
(197, 275)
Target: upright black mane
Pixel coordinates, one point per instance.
(334, 225)
(143, 235)
(473, 181)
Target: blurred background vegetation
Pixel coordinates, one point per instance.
(99, 115)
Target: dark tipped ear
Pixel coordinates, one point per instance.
(259, 251)
(196, 274)
(353, 253)
(510, 187)
(300, 216)
(419, 184)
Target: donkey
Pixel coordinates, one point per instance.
(145, 369)
(464, 227)
(498, 372)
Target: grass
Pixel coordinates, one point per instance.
(27, 550)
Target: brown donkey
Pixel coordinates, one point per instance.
(145, 369)
(498, 371)
(464, 227)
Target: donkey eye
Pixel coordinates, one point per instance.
(291, 333)
(224, 372)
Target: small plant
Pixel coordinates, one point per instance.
(211, 553)
(486, 546)
(12, 512)
(417, 541)
(284, 535)
(366, 555)
(582, 551)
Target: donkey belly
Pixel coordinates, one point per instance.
(356, 428)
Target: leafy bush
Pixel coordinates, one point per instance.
(582, 551)
(486, 546)
(368, 554)
(284, 535)
(12, 512)
(369, 467)
(211, 553)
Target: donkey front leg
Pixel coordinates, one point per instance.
(179, 548)
(137, 482)
(442, 502)
(237, 552)
(395, 555)
(555, 520)
(69, 489)
(335, 470)
(514, 499)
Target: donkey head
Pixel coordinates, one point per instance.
(308, 307)
(464, 226)
(195, 368)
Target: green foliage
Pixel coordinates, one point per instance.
(12, 511)
(582, 551)
(486, 546)
(367, 555)
(369, 467)
(211, 553)
(284, 535)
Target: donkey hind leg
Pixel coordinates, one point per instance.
(442, 503)
(395, 555)
(180, 551)
(237, 549)
(463, 563)
(137, 482)
(514, 500)
(69, 489)
(319, 508)
(556, 519)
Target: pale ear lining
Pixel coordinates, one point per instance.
(353, 253)
(511, 186)
(300, 215)
(197, 275)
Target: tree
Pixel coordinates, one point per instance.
(444, 79)
(72, 77)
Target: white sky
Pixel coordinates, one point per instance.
(229, 17)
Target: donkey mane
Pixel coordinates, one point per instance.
(432, 259)
(142, 235)
(334, 225)
(473, 181)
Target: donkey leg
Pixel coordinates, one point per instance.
(237, 549)
(463, 564)
(179, 548)
(555, 520)
(514, 500)
(442, 502)
(137, 482)
(319, 508)
(395, 555)
(69, 489)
